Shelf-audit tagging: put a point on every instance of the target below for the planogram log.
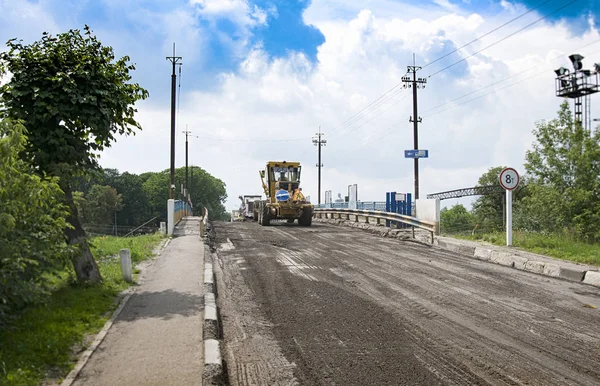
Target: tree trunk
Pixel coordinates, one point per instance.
(83, 261)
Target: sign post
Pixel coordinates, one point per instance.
(509, 180)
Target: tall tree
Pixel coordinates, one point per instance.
(488, 210)
(564, 165)
(101, 204)
(74, 98)
(456, 220)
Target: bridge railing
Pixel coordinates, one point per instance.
(414, 222)
(176, 210)
(362, 205)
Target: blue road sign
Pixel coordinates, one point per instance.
(416, 153)
(282, 195)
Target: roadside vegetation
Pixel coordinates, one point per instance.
(556, 208)
(64, 99)
(43, 340)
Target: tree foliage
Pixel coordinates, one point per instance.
(74, 98)
(456, 220)
(488, 210)
(101, 204)
(564, 167)
(32, 223)
(71, 95)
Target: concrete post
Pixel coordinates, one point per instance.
(126, 265)
(163, 228)
(170, 216)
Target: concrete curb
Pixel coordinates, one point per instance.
(214, 371)
(85, 357)
(521, 260)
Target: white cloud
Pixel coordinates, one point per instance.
(238, 11)
(365, 54)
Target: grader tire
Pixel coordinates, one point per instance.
(306, 218)
(265, 220)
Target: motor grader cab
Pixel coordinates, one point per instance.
(285, 200)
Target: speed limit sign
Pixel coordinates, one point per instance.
(509, 178)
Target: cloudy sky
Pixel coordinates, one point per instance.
(259, 78)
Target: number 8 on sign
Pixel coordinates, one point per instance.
(509, 178)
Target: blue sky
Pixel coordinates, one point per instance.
(276, 70)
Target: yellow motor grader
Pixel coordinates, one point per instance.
(285, 201)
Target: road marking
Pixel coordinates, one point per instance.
(295, 267)
(228, 246)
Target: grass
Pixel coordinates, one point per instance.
(558, 246)
(42, 341)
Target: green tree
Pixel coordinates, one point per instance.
(489, 210)
(564, 166)
(101, 204)
(74, 98)
(32, 223)
(205, 191)
(456, 220)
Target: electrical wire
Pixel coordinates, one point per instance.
(500, 81)
(488, 33)
(504, 38)
(374, 105)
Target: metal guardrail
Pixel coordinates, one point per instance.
(379, 215)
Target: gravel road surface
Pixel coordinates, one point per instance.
(327, 305)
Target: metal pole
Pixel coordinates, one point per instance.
(173, 97)
(174, 59)
(509, 217)
(319, 142)
(186, 162)
(415, 119)
(416, 133)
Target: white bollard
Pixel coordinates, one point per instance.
(126, 265)
(163, 228)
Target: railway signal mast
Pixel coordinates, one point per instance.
(579, 85)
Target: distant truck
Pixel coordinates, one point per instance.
(285, 200)
(247, 207)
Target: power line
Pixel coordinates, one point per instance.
(358, 114)
(373, 106)
(251, 140)
(488, 33)
(378, 115)
(504, 38)
(505, 79)
(500, 81)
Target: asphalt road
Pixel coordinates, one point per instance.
(328, 305)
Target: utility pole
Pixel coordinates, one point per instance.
(319, 142)
(187, 186)
(175, 60)
(415, 84)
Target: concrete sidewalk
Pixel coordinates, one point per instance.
(157, 337)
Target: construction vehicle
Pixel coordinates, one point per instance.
(285, 201)
(247, 207)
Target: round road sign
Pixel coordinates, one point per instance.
(509, 178)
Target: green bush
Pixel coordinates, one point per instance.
(32, 224)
